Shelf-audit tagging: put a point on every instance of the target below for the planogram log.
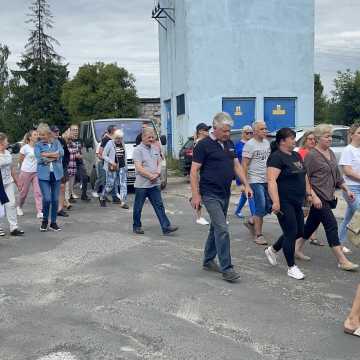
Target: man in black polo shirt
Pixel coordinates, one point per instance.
(216, 159)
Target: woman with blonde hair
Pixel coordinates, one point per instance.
(28, 174)
(325, 178)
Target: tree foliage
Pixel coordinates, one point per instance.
(101, 91)
(320, 101)
(36, 87)
(4, 82)
(345, 104)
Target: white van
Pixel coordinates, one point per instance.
(91, 133)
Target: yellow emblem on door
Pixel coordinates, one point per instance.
(279, 110)
(238, 111)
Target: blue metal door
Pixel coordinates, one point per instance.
(279, 113)
(242, 111)
(167, 104)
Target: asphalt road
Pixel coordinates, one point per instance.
(95, 291)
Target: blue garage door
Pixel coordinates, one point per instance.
(167, 105)
(279, 112)
(241, 110)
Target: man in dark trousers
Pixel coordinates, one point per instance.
(80, 167)
(215, 158)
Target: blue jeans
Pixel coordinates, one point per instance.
(262, 199)
(350, 211)
(114, 180)
(242, 202)
(218, 241)
(50, 190)
(154, 195)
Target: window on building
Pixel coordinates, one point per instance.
(180, 104)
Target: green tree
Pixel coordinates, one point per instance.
(345, 104)
(36, 87)
(320, 101)
(101, 91)
(4, 82)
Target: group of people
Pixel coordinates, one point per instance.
(49, 164)
(275, 179)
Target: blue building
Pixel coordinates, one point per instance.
(251, 58)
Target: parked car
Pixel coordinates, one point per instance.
(339, 140)
(91, 133)
(185, 156)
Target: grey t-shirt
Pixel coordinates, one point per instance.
(258, 153)
(150, 158)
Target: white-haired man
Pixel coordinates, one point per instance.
(114, 156)
(147, 160)
(255, 154)
(216, 160)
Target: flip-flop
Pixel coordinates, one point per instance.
(355, 332)
(316, 242)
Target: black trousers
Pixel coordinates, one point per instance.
(82, 177)
(292, 225)
(326, 217)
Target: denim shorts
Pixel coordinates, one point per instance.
(262, 199)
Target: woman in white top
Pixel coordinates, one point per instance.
(28, 174)
(350, 163)
(9, 180)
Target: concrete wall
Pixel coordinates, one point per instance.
(232, 48)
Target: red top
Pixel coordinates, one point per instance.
(303, 152)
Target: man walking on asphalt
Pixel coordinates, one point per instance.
(255, 154)
(216, 160)
(147, 160)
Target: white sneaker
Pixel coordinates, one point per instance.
(19, 211)
(295, 273)
(74, 196)
(202, 221)
(39, 215)
(95, 194)
(118, 196)
(346, 250)
(271, 255)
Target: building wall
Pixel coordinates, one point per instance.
(252, 48)
(150, 109)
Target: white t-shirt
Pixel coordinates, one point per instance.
(6, 166)
(258, 153)
(351, 157)
(29, 164)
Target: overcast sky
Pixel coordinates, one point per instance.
(123, 32)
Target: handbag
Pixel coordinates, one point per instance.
(113, 167)
(353, 229)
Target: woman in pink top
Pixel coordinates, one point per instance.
(28, 174)
(308, 143)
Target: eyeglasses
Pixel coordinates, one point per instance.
(248, 132)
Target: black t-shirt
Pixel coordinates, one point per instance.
(138, 139)
(217, 166)
(66, 157)
(120, 155)
(291, 181)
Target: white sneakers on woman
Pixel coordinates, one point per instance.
(346, 250)
(293, 272)
(202, 221)
(19, 211)
(271, 256)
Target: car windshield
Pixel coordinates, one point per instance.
(131, 128)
